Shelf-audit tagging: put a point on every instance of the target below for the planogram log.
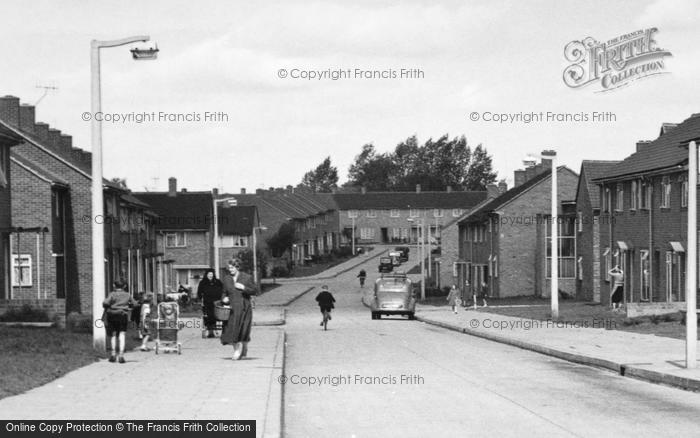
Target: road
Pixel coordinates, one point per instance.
(395, 377)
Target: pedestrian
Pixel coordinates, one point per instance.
(117, 305)
(484, 293)
(209, 291)
(325, 301)
(238, 290)
(144, 320)
(453, 298)
(618, 288)
(362, 276)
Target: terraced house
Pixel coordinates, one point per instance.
(644, 200)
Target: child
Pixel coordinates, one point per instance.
(484, 292)
(325, 301)
(453, 298)
(117, 306)
(144, 320)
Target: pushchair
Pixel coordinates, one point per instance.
(167, 324)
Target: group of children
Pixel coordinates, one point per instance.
(454, 297)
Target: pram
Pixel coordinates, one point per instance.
(167, 324)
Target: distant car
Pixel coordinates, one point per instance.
(395, 257)
(386, 264)
(393, 295)
(404, 253)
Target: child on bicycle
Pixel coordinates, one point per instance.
(325, 301)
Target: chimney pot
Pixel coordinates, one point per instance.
(183, 190)
(242, 190)
(259, 191)
(215, 192)
(172, 186)
(641, 144)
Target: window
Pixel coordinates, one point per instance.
(619, 197)
(644, 273)
(437, 212)
(371, 213)
(666, 192)
(645, 195)
(366, 233)
(21, 270)
(456, 212)
(233, 241)
(414, 212)
(606, 200)
(175, 240)
(566, 248)
(352, 213)
(395, 212)
(684, 191)
(634, 195)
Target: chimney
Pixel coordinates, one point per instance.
(9, 110)
(502, 186)
(491, 191)
(363, 189)
(215, 192)
(518, 178)
(290, 189)
(641, 144)
(41, 131)
(54, 141)
(172, 186)
(259, 192)
(66, 144)
(27, 118)
(76, 154)
(183, 190)
(86, 158)
(242, 190)
(417, 188)
(448, 189)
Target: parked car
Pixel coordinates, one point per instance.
(393, 295)
(386, 264)
(395, 257)
(404, 253)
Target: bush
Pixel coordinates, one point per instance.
(280, 271)
(25, 313)
(79, 323)
(343, 251)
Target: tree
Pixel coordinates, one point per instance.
(246, 258)
(323, 178)
(434, 165)
(283, 240)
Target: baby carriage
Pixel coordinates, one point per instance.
(167, 324)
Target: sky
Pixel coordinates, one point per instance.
(227, 58)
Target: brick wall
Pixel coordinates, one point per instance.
(585, 243)
(196, 252)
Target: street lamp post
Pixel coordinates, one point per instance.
(419, 224)
(353, 234)
(217, 263)
(98, 243)
(691, 328)
(255, 253)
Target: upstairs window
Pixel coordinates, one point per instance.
(619, 197)
(666, 192)
(395, 213)
(371, 213)
(175, 240)
(634, 196)
(684, 191)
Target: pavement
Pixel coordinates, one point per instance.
(201, 383)
(643, 356)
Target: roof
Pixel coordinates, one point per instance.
(406, 200)
(37, 169)
(594, 169)
(237, 221)
(482, 212)
(662, 153)
(184, 211)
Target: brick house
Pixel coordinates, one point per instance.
(236, 230)
(644, 200)
(504, 242)
(8, 139)
(588, 229)
(51, 211)
(184, 233)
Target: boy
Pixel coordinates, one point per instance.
(117, 305)
(325, 301)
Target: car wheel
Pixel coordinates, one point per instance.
(411, 316)
(379, 316)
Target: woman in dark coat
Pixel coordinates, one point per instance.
(238, 290)
(209, 291)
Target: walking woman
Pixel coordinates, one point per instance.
(117, 305)
(453, 298)
(209, 291)
(618, 287)
(238, 290)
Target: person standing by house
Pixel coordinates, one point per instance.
(617, 292)
(238, 290)
(484, 292)
(453, 298)
(209, 291)
(117, 305)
